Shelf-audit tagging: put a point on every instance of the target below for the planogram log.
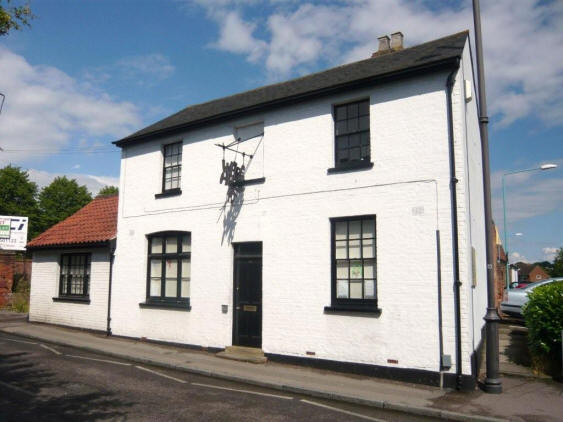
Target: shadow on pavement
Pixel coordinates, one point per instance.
(36, 394)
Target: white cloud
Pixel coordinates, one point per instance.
(522, 43)
(549, 253)
(236, 37)
(93, 183)
(516, 257)
(45, 109)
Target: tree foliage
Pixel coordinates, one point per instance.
(18, 197)
(557, 269)
(108, 190)
(13, 17)
(62, 198)
(544, 318)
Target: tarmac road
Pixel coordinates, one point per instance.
(43, 382)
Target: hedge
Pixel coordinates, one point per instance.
(544, 318)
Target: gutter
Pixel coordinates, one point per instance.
(455, 241)
(112, 246)
(100, 244)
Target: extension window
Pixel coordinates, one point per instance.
(74, 281)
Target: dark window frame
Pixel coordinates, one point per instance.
(343, 137)
(175, 189)
(348, 304)
(162, 300)
(86, 275)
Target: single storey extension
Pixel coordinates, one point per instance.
(71, 269)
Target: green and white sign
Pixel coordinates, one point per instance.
(13, 233)
(5, 228)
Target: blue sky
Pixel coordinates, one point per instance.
(88, 72)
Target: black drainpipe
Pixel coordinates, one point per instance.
(455, 243)
(112, 245)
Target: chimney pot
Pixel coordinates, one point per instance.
(383, 43)
(397, 41)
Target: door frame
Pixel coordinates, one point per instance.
(234, 340)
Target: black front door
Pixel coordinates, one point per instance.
(247, 324)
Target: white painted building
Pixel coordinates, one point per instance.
(337, 247)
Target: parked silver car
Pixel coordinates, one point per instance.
(515, 299)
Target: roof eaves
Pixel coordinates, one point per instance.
(92, 244)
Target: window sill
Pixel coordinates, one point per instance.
(249, 182)
(84, 300)
(360, 165)
(178, 306)
(167, 193)
(353, 310)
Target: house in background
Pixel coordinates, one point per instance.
(530, 273)
(71, 272)
(500, 260)
(335, 220)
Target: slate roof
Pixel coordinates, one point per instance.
(92, 224)
(423, 57)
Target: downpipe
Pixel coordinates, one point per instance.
(455, 241)
(112, 246)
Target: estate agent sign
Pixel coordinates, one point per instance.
(13, 233)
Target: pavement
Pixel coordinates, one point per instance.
(523, 399)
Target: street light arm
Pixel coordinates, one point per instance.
(542, 167)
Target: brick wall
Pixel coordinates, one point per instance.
(7, 264)
(538, 274)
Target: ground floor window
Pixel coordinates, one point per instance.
(75, 275)
(354, 259)
(169, 262)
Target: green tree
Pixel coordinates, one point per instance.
(557, 270)
(18, 196)
(14, 17)
(108, 190)
(63, 197)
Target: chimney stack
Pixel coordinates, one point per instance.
(383, 44)
(397, 41)
(389, 45)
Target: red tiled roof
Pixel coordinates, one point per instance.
(94, 223)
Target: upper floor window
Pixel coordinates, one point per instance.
(171, 175)
(75, 275)
(352, 137)
(169, 262)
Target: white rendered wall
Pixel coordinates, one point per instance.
(408, 190)
(45, 286)
(475, 207)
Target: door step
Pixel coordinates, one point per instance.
(243, 354)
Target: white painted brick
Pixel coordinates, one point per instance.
(409, 142)
(45, 286)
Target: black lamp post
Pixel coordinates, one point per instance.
(492, 383)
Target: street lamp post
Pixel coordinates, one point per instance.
(542, 167)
